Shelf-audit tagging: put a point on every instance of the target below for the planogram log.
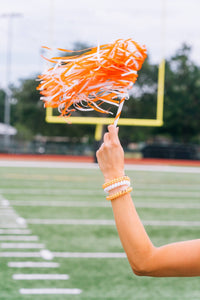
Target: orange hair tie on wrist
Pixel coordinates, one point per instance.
(119, 194)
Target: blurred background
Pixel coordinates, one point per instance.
(60, 206)
(169, 29)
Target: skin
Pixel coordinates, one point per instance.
(177, 259)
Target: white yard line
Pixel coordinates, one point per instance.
(15, 231)
(45, 254)
(89, 255)
(60, 203)
(64, 254)
(163, 168)
(46, 164)
(21, 246)
(36, 191)
(137, 186)
(78, 192)
(40, 276)
(69, 222)
(79, 165)
(168, 194)
(108, 222)
(12, 225)
(102, 204)
(21, 254)
(53, 291)
(32, 264)
(168, 205)
(18, 238)
(167, 186)
(173, 223)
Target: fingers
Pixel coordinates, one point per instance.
(113, 134)
(106, 138)
(111, 137)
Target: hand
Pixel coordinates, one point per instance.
(110, 155)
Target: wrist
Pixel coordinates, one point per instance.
(110, 177)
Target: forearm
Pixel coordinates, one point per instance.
(177, 259)
(133, 236)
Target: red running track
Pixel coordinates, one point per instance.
(90, 159)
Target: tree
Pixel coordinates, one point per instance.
(2, 103)
(28, 115)
(182, 97)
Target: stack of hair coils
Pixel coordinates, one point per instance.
(123, 183)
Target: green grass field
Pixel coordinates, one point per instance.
(38, 194)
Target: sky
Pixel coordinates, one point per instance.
(162, 25)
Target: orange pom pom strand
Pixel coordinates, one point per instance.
(86, 81)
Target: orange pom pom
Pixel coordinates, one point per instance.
(103, 74)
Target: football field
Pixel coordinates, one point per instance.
(58, 238)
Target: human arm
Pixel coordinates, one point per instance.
(177, 259)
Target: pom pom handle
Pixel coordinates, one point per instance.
(119, 111)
